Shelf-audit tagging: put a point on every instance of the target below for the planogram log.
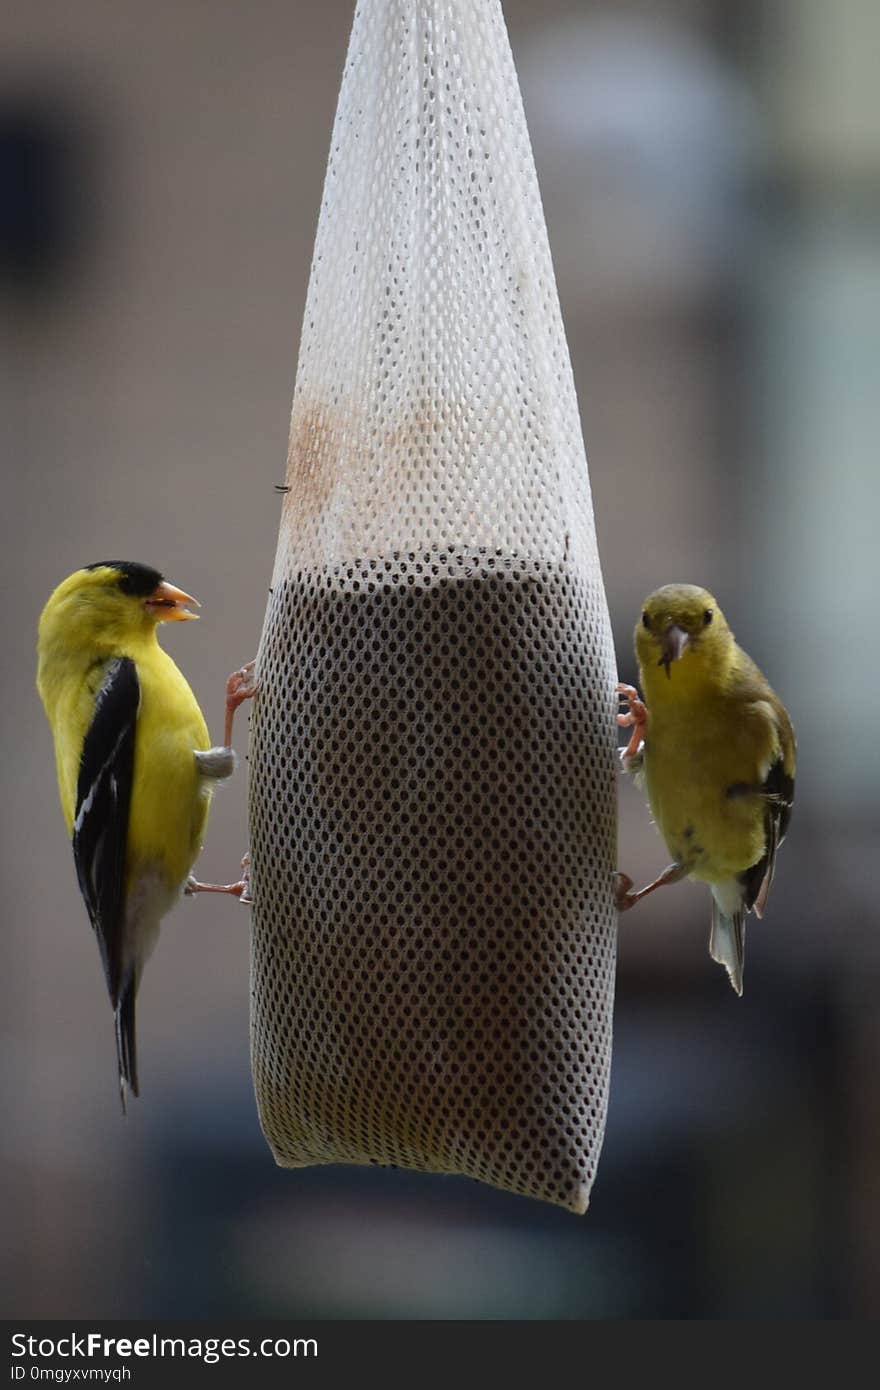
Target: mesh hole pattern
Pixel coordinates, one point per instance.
(431, 967)
(432, 770)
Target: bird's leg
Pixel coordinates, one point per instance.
(240, 890)
(625, 898)
(634, 714)
(219, 762)
(241, 686)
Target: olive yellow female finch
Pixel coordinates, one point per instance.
(715, 751)
(134, 761)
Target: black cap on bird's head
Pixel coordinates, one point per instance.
(677, 619)
(109, 603)
(163, 601)
(135, 579)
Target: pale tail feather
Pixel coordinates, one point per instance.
(727, 941)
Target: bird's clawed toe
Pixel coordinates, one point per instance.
(634, 711)
(241, 685)
(634, 715)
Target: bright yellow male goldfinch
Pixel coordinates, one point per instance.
(134, 762)
(714, 748)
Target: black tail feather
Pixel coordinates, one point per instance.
(126, 1044)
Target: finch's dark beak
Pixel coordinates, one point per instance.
(673, 641)
(169, 604)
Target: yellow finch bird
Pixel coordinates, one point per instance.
(715, 752)
(134, 761)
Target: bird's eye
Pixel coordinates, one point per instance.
(707, 617)
(646, 622)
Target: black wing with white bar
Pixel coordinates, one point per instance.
(103, 802)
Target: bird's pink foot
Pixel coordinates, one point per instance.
(635, 715)
(625, 898)
(193, 886)
(241, 686)
(245, 895)
(240, 890)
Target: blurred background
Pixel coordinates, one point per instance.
(711, 178)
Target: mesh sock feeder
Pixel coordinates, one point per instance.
(432, 794)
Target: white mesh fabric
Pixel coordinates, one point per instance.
(432, 756)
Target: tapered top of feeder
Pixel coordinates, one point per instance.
(434, 402)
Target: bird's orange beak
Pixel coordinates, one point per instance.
(169, 605)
